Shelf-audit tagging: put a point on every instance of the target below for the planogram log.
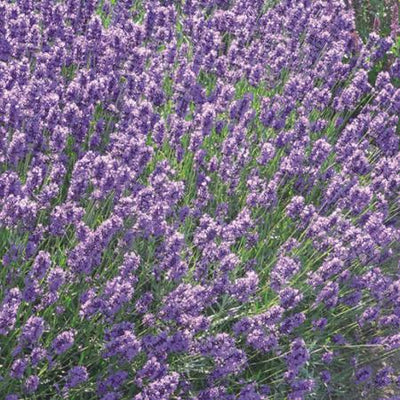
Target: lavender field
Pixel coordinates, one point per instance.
(199, 200)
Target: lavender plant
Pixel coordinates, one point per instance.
(198, 200)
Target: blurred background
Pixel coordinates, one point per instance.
(381, 16)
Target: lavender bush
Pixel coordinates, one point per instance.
(198, 200)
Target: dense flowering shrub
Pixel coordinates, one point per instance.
(198, 200)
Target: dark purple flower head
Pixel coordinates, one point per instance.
(383, 377)
(325, 376)
(122, 342)
(18, 368)
(41, 265)
(12, 397)
(31, 384)
(327, 357)
(320, 324)
(363, 374)
(32, 330)
(298, 355)
(38, 354)
(56, 279)
(76, 376)
(63, 341)
(9, 309)
(283, 271)
(290, 298)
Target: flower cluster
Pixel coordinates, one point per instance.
(198, 200)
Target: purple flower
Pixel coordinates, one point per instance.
(31, 384)
(12, 397)
(243, 288)
(383, 377)
(56, 279)
(325, 376)
(227, 357)
(161, 388)
(18, 368)
(41, 265)
(363, 374)
(298, 355)
(76, 376)
(284, 269)
(197, 191)
(32, 330)
(290, 298)
(38, 354)
(327, 357)
(8, 310)
(122, 342)
(329, 295)
(63, 341)
(320, 324)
